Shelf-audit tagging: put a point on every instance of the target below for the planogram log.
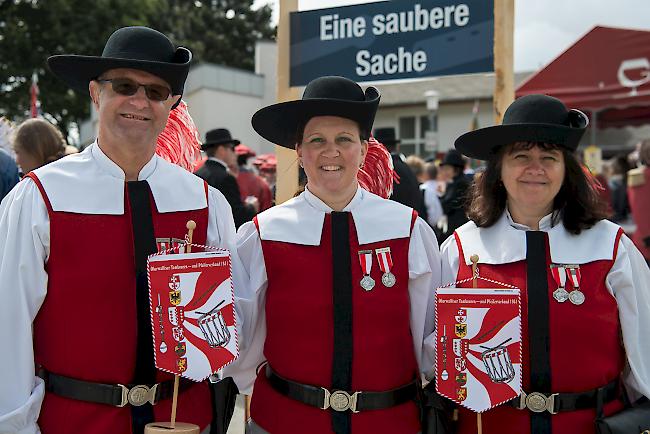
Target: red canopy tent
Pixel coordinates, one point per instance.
(606, 74)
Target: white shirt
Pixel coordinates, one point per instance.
(302, 223)
(25, 241)
(432, 201)
(628, 280)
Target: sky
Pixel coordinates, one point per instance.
(543, 28)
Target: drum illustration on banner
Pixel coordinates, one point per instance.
(192, 308)
(485, 346)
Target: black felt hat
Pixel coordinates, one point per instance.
(217, 137)
(386, 136)
(324, 96)
(453, 158)
(139, 48)
(531, 118)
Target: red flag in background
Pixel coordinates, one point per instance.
(35, 105)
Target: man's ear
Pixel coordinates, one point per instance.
(93, 89)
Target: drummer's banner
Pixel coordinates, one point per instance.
(192, 313)
(478, 346)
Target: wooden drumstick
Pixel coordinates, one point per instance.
(191, 225)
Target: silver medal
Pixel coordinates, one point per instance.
(367, 283)
(577, 297)
(388, 279)
(561, 295)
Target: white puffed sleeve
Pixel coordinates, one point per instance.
(25, 241)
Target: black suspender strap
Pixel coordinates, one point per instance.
(538, 324)
(342, 298)
(144, 244)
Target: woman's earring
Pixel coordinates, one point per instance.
(300, 164)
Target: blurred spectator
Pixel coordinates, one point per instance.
(431, 199)
(405, 186)
(618, 189)
(639, 197)
(453, 199)
(416, 164)
(220, 148)
(8, 173)
(268, 169)
(36, 143)
(251, 184)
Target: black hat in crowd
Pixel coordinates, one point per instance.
(531, 118)
(139, 48)
(386, 136)
(218, 137)
(453, 158)
(324, 96)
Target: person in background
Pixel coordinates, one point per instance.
(323, 311)
(8, 173)
(431, 190)
(639, 197)
(36, 143)
(455, 193)
(405, 186)
(251, 184)
(618, 189)
(536, 218)
(220, 148)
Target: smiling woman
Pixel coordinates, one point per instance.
(330, 325)
(537, 224)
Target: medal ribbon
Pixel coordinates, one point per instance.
(574, 275)
(559, 274)
(384, 259)
(365, 260)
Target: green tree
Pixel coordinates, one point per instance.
(221, 32)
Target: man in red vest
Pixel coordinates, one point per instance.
(75, 315)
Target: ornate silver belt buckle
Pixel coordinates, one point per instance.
(138, 395)
(538, 402)
(340, 400)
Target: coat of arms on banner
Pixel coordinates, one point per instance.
(478, 349)
(192, 313)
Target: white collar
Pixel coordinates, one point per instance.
(300, 220)
(91, 183)
(545, 224)
(216, 160)
(110, 167)
(505, 242)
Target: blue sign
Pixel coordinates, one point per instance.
(393, 40)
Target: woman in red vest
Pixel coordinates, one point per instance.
(342, 281)
(536, 223)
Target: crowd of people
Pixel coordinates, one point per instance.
(327, 342)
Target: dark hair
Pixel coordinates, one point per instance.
(242, 159)
(578, 198)
(300, 131)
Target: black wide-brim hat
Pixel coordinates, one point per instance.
(217, 137)
(324, 96)
(137, 47)
(531, 118)
(386, 136)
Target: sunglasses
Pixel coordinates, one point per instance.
(128, 87)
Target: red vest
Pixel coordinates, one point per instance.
(586, 351)
(87, 325)
(300, 342)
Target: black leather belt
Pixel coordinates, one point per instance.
(340, 400)
(118, 395)
(556, 402)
